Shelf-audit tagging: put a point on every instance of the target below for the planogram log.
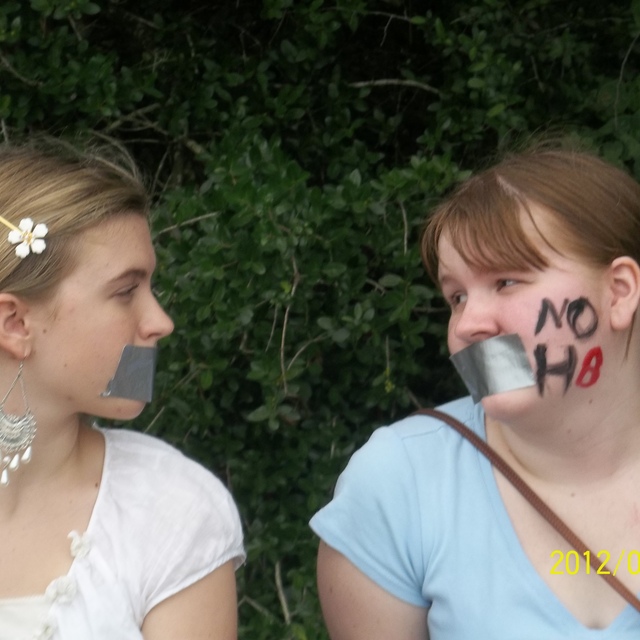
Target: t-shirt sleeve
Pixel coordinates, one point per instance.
(374, 517)
(196, 529)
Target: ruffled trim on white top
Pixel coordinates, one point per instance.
(35, 611)
(152, 503)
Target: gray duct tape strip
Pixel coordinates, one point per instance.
(134, 376)
(493, 366)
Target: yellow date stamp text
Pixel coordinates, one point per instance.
(572, 562)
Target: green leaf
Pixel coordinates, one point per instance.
(206, 379)
(260, 414)
(341, 334)
(496, 110)
(325, 323)
(476, 83)
(390, 280)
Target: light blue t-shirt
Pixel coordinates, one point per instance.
(418, 511)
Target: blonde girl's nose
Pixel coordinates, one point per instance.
(156, 324)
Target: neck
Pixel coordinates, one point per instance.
(583, 447)
(57, 459)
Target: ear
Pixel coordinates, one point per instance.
(15, 336)
(624, 283)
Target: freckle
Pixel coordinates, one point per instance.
(573, 495)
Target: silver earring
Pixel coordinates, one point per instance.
(16, 433)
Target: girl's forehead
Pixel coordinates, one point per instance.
(519, 242)
(114, 247)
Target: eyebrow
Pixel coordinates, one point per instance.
(443, 278)
(130, 273)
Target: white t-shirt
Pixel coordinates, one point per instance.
(160, 523)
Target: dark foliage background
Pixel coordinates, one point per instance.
(294, 149)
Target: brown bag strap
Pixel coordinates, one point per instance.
(541, 507)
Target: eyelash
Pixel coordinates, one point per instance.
(454, 299)
(128, 292)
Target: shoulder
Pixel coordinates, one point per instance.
(419, 454)
(417, 437)
(163, 491)
(155, 502)
(413, 438)
(388, 501)
(125, 447)
(417, 425)
(155, 465)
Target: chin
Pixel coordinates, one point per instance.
(510, 405)
(122, 409)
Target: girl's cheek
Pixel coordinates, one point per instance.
(564, 343)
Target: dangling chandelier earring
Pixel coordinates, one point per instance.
(16, 433)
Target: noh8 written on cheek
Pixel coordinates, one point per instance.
(581, 318)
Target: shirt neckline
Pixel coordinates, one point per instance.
(75, 535)
(517, 552)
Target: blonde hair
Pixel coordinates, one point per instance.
(593, 206)
(70, 191)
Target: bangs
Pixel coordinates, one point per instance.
(483, 222)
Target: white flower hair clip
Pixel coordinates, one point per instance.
(28, 238)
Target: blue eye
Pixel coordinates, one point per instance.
(506, 282)
(456, 299)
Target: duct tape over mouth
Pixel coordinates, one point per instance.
(493, 366)
(134, 376)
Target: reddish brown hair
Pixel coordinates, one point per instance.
(594, 209)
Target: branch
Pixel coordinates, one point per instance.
(281, 595)
(257, 606)
(405, 223)
(137, 18)
(8, 66)
(273, 327)
(619, 84)
(391, 16)
(376, 285)
(132, 116)
(302, 349)
(74, 28)
(388, 82)
(173, 227)
(145, 123)
(155, 419)
(156, 177)
(416, 403)
(296, 280)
